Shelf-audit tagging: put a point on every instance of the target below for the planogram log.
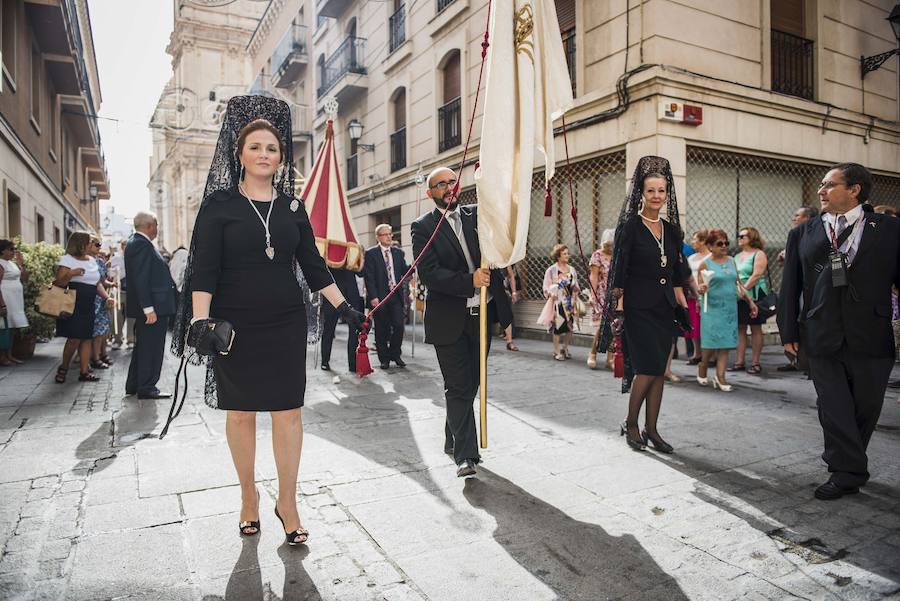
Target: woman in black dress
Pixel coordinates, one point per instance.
(248, 239)
(645, 288)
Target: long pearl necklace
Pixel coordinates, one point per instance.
(660, 242)
(270, 252)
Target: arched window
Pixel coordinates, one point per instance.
(450, 112)
(398, 138)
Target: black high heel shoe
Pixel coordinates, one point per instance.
(244, 527)
(658, 443)
(636, 444)
(291, 537)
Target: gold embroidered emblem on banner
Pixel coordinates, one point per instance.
(523, 30)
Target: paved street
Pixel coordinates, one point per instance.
(94, 506)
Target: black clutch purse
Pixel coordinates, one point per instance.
(211, 337)
(682, 319)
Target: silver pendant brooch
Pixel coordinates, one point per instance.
(295, 204)
(270, 252)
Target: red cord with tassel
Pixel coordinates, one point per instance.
(548, 202)
(363, 365)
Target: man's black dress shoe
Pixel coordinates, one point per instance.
(385, 365)
(831, 491)
(326, 367)
(465, 469)
(155, 395)
(400, 362)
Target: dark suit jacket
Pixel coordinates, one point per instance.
(444, 271)
(375, 273)
(149, 281)
(346, 283)
(859, 313)
(645, 282)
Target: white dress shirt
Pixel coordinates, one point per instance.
(855, 219)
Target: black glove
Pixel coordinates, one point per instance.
(351, 316)
(211, 336)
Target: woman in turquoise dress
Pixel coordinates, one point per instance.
(720, 287)
(752, 264)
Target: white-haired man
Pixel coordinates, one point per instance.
(151, 301)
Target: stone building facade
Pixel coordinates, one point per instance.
(750, 102)
(52, 168)
(208, 46)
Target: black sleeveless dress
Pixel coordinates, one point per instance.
(266, 368)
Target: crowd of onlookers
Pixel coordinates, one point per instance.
(730, 297)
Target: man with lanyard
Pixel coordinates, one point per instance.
(843, 263)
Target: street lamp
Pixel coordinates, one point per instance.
(871, 63)
(356, 129)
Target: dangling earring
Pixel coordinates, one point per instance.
(641, 207)
(241, 174)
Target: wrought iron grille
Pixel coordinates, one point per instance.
(449, 125)
(398, 149)
(731, 191)
(442, 4)
(792, 65)
(397, 28)
(352, 171)
(599, 188)
(348, 58)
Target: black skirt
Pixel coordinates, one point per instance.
(80, 325)
(648, 338)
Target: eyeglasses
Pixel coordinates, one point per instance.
(829, 185)
(97, 244)
(743, 236)
(444, 185)
(722, 243)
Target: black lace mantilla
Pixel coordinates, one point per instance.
(646, 166)
(224, 174)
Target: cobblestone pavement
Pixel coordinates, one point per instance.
(94, 506)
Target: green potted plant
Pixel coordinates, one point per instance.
(40, 262)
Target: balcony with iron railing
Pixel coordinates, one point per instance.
(347, 59)
(398, 149)
(450, 125)
(792, 65)
(352, 172)
(290, 57)
(397, 29)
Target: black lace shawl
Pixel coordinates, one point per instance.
(224, 174)
(646, 166)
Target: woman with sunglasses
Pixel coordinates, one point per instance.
(751, 264)
(77, 270)
(719, 287)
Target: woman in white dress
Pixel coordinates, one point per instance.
(12, 298)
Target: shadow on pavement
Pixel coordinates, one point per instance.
(395, 447)
(245, 582)
(816, 531)
(577, 560)
(137, 420)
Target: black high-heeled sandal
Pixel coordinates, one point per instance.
(658, 443)
(636, 444)
(88, 377)
(99, 364)
(291, 537)
(61, 374)
(244, 527)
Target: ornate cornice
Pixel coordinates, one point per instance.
(264, 27)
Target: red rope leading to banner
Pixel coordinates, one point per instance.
(363, 366)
